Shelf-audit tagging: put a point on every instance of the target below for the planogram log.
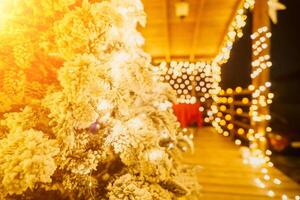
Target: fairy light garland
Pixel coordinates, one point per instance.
(263, 61)
(260, 98)
(189, 80)
(176, 69)
(220, 116)
(235, 31)
(252, 156)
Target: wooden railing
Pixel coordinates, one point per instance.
(233, 116)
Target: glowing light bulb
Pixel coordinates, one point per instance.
(267, 177)
(238, 142)
(245, 100)
(277, 181)
(228, 117)
(239, 111)
(268, 152)
(268, 84)
(269, 35)
(230, 126)
(268, 129)
(229, 91)
(270, 164)
(251, 87)
(226, 133)
(241, 131)
(259, 183)
(271, 193)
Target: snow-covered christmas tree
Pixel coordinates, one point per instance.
(82, 115)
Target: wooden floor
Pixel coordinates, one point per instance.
(224, 176)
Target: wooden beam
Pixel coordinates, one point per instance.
(196, 30)
(261, 19)
(237, 5)
(157, 59)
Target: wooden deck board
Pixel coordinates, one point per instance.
(224, 176)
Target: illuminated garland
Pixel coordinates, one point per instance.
(260, 98)
(188, 78)
(235, 31)
(263, 61)
(219, 116)
(253, 156)
(178, 72)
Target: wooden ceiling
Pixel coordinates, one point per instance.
(196, 37)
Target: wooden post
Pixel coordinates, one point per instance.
(260, 19)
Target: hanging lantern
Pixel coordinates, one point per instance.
(182, 9)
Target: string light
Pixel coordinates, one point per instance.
(260, 43)
(207, 76)
(238, 142)
(260, 98)
(271, 193)
(253, 155)
(234, 32)
(191, 81)
(186, 76)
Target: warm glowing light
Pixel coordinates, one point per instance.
(230, 100)
(245, 100)
(222, 122)
(241, 131)
(238, 89)
(268, 152)
(259, 183)
(271, 193)
(238, 142)
(277, 181)
(267, 177)
(239, 111)
(223, 108)
(228, 117)
(270, 164)
(226, 133)
(229, 91)
(230, 126)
